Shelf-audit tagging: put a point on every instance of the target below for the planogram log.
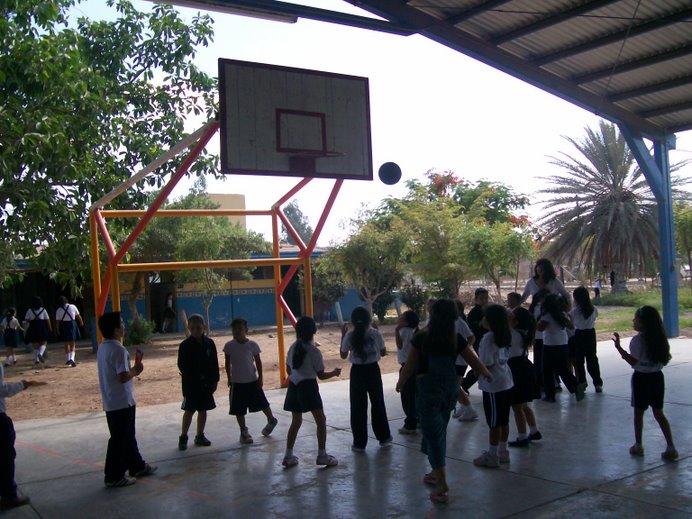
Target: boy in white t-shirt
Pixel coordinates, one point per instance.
(244, 371)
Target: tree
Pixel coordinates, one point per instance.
(300, 224)
(82, 107)
(602, 212)
(328, 284)
(683, 232)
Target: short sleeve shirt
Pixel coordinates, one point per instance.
(406, 334)
(374, 344)
(70, 310)
(112, 358)
(32, 314)
(462, 329)
(311, 366)
(638, 351)
(241, 357)
(554, 334)
(581, 322)
(495, 359)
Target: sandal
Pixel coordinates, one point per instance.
(327, 460)
(430, 479)
(290, 461)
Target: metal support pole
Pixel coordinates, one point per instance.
(283, 374)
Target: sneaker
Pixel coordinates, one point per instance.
(404, 430)
(290, 461)
(458, 411)
(487, 460)
(124, 482)
(503, 457)
(67, 363)
(535, 436)
(599, 389)
(387, 442)
(670, 454)
(14, 502)
(148, 470)
(327, 460)
(182, 442)
(357, 449)
(269, 427)
(468, 415)
(524, 442)
(72, 363)
(637, 450)
(580, 391)
(245, 437)
(202, 441)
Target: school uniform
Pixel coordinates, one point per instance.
(38, 329)
(10, 327)
(199, 366)
(496, 392)
(474, 318)
(585, 345)
(555, 361)
(525, 387)
(648, 383)
(66, 316)
(463, 333)
(366, 383)
(538, 348)
(244, 394)
(408, 391)
(303, 394)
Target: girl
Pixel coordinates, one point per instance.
(584, 317)
(493, 352)
(38, 329)
(10, 327)
(553, 322)
(465, 412)
(535, 311)
(364, 346)
(431, 361)
(305, 365)
(649, 352)
(406, 328)
(524, 376)
(66, 319)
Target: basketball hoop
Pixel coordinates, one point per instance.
(304, 163)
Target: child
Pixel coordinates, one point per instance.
(474, 318)
(513, 300)
(9, 498)
(364, 346)
(494, 353)
(38, 329)
(10, 327)
(535, 311)
(649, 352)
(598, 284)
(305, 365)
(199, 367)
(524, 376)
(553, 322)
(67, 317)
(584, 317)
(465, 412)
(406, 328)
(244, 372)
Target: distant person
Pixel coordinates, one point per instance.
(305, 365)
(38, 329)
(406, 328)
(169, 315)
(465, 411)
(584, 315)
(118, 396)
(544, 278)
(597, 285)
(649, 353)
(474, 319)
(245, 379)
(10, 328)
(67, 318)
(364, 346)
(612, 279)
(9, 498)
(199, 369)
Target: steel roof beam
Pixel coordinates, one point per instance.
(666, 109)
(474, 11)
(651, 88)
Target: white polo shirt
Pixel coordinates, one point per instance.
(111, 359)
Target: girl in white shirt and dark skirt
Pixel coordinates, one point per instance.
(584, 316)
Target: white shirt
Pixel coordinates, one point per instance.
(7, 389)
(405, 334)
(462, 328)
(554, 286)
(241, 357)
(536, 315)
(70, 310)
(38, 314)
(554, 334)
(374, 344)
(582, 323)
(12, 325)
(311, 366)
(517, 349)
(111, 359)
(495, 359)
(638, 351)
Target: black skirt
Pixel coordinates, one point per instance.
(525, 387)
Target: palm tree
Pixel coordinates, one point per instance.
(602, 214)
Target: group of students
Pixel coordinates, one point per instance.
(36, 329)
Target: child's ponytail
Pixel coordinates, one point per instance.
(305, 331)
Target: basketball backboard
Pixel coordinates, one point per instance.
(293, 122)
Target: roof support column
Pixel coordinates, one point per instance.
(656, 170)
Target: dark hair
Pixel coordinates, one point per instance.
(538, 298)
(496, 317)
(554, 306)
(479, 292)
(548, 269)
(11, 312)
(441, 338)
(460, 309)
(108, 323)
(196, 317)
(36, 303)
(525, 325)
(62, 300)
(582, 300)
(411, 318)
(657, 346)
(305, 331)
(516, 296)
(238, 321)
(360, 318)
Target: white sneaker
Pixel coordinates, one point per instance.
(245, 437)
(468, 415)
(487, 460)
(458, 411)
(503, 457)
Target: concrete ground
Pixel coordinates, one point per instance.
(581, 468)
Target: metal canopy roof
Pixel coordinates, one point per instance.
(629, 61)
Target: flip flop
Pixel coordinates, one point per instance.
(439, 498)
(430, 479)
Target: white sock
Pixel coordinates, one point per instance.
(14, 359)
(493, 450)
(288, 453)
(67, 357)
(36, 354)
(72, 355)
(502, 447)
(466, 406)
(522, 436)
(42, 349)
(533, 429)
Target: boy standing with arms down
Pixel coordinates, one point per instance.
(199, 367)
(244, 371)
(118, 395)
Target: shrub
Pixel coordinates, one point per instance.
(139, 332)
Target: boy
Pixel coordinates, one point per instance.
(474, 318)
(244, 371)
(199, 366)
(513, 301)
(9, 498)
(118, 396)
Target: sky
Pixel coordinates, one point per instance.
(431, 108)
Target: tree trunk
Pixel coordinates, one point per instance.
(135, 291)
(620, 286)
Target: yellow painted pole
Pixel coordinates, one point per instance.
(95, 268)
(115, 288)
(283, 374)
(307, 276)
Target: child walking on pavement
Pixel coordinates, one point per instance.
(244, 372)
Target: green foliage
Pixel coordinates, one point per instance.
(381, 305)
(643, 297)
(682, 212)
(138, 331)
(328, 283)
(414, 296)
(299, 222)
(82, 107)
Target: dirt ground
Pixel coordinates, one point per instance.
(72, 391)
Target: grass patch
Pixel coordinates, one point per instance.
(645, 297)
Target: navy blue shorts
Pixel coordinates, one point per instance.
(496, 407)
(246, 397)
(303, 397)
(648, 389)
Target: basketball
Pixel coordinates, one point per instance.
(389, 173)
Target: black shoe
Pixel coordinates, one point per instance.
(519, 443)
(17, 501)
(73, 364)
(148, 470)
(202, 441)
(68, 363)
(182, 442)
(535, 436)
